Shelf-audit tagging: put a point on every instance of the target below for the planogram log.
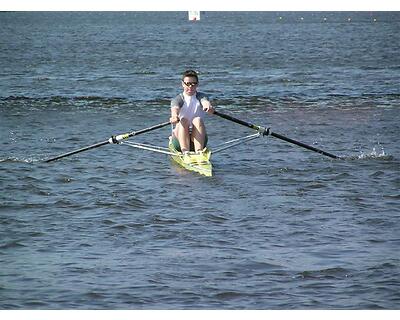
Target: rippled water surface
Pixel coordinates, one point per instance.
(276, 227)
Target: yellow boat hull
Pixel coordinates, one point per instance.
(196, 162)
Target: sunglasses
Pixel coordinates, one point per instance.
(190, 84)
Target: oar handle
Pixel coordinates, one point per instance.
(157, 126)
(120, 137)
(244, 123)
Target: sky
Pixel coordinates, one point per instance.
(203, 5)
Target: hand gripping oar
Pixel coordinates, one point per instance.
(113, 139)
(266, 132)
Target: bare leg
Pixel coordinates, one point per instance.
(198, 134)
(182, 133)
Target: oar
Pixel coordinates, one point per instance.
(265, 131)
(113, 139)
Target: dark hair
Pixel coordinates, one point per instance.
(190, 73)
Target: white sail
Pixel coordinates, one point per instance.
(194, 15)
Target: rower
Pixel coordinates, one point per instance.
(187, 114)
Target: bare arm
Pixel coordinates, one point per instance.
(174, 115)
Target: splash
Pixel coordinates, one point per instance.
(374, 154)
(18, 160)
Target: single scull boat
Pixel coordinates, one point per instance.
(193, 161)
(197, 162)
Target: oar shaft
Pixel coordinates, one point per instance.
(78, 150)
(114, 139)
(301, 144)
(276, 135)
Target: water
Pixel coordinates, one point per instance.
(277, 227)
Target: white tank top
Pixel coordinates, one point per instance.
(191, 108)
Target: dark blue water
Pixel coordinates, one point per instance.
(277, 227)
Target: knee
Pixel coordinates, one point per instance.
(197, 122)
(184, 123)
